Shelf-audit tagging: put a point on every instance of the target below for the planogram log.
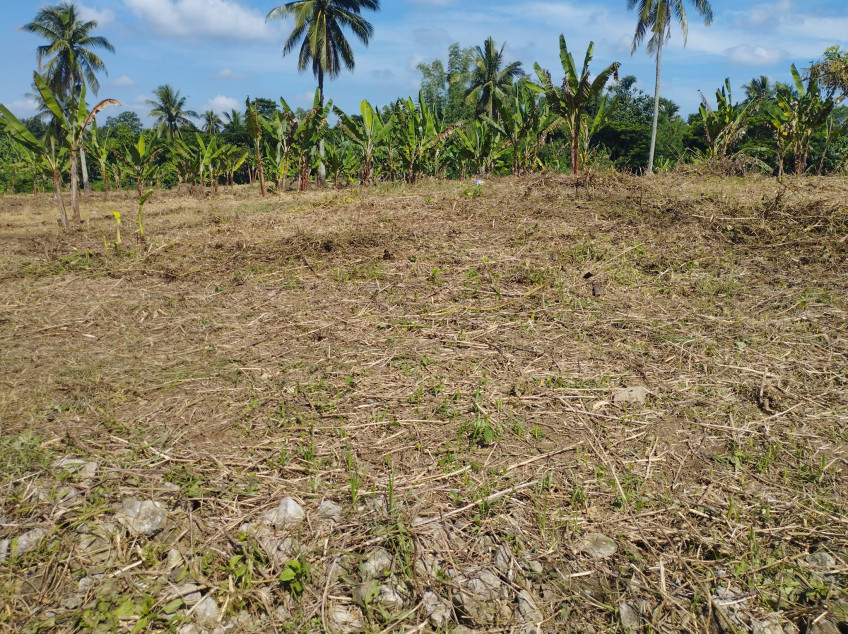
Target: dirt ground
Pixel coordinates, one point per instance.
(447, 363)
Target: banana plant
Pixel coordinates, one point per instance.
(254, 130)
(231, 159)
(282, 127)
(728, 123)
(50, 154)
(418, 132)
(366, 136)
(795, 117)
(571, 99)
(74, 123)
(99, 150)
(199, 158)
(340, 160)
(138, 159)
(309, 131)
(478, 145)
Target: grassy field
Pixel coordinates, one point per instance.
(443, 363)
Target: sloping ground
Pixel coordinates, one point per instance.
(446, 365)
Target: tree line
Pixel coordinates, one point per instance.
(475, 116)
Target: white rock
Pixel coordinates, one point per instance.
(4, 549)
(635, 394)
(29, 541)
(345, 619)
(437, 609)
(206, 612)
(528, 611)
(597, 546)
(142, 517)
(288, 513)
(328, 510)
(631, 621)
(378, 564)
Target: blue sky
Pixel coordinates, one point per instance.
(216, 52)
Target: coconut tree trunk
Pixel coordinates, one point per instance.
(322, 170)
(656, 104)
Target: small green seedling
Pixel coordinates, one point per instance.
(117, 215)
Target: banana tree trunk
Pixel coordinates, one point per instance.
(57, 196)
(656, 105)
(85, 184)
(261, 171)
(75, 187)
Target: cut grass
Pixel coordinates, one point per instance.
(456, 355)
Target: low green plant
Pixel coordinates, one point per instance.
(141, 202)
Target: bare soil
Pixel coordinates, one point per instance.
(448, 356)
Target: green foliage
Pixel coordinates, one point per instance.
(572, 99)
(796, 115)
(725, 125)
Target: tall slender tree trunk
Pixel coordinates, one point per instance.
(656, 104)
(75, 187)
(322, 170)
(57, 196)
(85, 184)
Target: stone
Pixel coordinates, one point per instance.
(426, 566)
(597, 546)
(366, 592)
(437, 609)
(189, 628)
(28, 541)
(533, 566)
(377, 564)
(67, 496)
(174, 558)
(206, 613)
(839, 610)
(287, 513)
(823, 626)
(343, 619)
(528, 610)
(479, 591)
(279, 550)
(4, 549)
(390, 597)
(144, 517)
(503, 561)
(771, 624)
(328, 510)
(636, 394)
(631, 621)
(188, 592)
(821, 559)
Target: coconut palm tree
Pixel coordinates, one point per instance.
(655, 17)
(212, 123)
(489, 82)
(67, 60)
(759, 88)
(319, 23)
(168, 108)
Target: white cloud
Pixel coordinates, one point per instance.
(229, 73)
(123, 80)
(220, 103)
(747, 55)
(23, 108)
(103, 17)
(765, 15)
(194, 19)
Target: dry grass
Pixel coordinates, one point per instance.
(457, 350)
